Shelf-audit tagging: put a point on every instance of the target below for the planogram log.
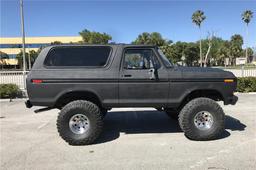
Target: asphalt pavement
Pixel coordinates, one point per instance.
(133, 138)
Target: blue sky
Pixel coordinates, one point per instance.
(124, 20)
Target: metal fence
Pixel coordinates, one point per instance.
(243, 72)
(16, 77)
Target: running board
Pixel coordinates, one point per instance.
(42, 109)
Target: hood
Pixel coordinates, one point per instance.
(201, 72)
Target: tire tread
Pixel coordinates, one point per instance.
(92, 108)
(185, 124)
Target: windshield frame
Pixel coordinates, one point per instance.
(164, 59)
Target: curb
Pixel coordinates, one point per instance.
(13, 100)
(245, 93)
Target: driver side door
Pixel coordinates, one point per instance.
(143, 80)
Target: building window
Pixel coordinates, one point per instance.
(26, 45)
(12, 56)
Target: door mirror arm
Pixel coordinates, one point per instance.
(156, 74)
(153, 74)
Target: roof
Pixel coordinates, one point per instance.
(124, 45)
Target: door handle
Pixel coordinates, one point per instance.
(127, 75)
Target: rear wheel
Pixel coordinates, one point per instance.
(202, 119)
(80, 122)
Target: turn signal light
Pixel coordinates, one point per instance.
(37, 81)
(228, 80)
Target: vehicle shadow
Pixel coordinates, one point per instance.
(137, 122)
(234, 124)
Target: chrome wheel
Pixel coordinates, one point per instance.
(79, 124)
(203, 120)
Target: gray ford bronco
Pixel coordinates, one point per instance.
(86, 81)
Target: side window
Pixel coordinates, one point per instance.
(78, 56)
(140, 59)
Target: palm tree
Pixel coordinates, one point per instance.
(246, 17)
(198, 17)
(3, 57)
(144, 38)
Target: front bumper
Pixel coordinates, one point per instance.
(231, 100)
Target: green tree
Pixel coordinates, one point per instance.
(246, 17)
(236, 50)
(3, 56)
(30, 56)
(153, 38)
(144, 38)
(179, 50)
(91, 37)
(197, 18)
(191, 54)
(56, 43)
(171, 52)
(217, 43)
(222, 52)
(156, 38)
(250, 54)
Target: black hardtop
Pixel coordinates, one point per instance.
(103, 45)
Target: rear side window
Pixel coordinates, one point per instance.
(78, 56)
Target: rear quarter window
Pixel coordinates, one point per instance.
(78, 56)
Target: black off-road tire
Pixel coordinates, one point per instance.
(187, 114)
(104, 112)
(172, 113)
(91, 111)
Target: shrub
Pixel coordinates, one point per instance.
(246, 84)
(9, 91)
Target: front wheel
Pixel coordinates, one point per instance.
(104, 112)
(202, 119)
(80, 122)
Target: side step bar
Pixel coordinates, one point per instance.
(42, 109)
(29, 105)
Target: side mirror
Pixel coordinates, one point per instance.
(152, 74)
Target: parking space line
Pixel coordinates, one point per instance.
(42, 125)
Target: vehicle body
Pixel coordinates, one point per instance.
(122, 76)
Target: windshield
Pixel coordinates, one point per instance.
(167, 63)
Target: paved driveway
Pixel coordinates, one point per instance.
(132, 139)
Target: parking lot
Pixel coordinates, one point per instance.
(134, 138)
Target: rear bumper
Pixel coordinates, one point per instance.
(28, 104)
(231, 100)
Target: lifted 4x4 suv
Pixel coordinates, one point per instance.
(86, 81)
